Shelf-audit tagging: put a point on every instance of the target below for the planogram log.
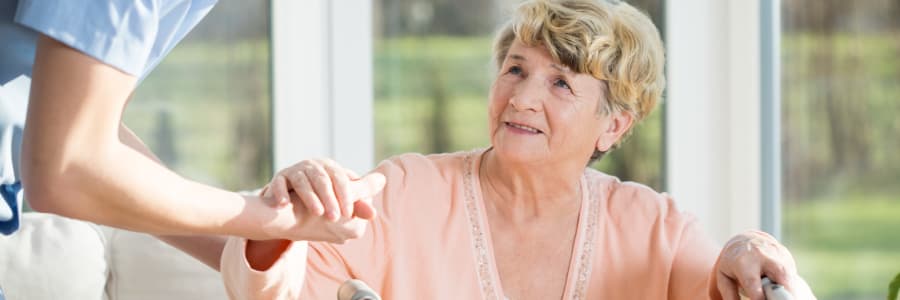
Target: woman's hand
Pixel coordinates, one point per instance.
(326, 189)
(314, 200)
(318, 200)
(750, 256)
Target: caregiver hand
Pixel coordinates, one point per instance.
(748, 257)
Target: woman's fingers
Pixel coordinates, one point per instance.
(727, 287)
(307, 195)
(368, 186)
(327, 189)
(746, 259)
(364, 189)
(751, 285)
(280, 191)
(776, 271)
(363, 209)
(273, 193)
(341, 183)
(350, 190)
(322, 186)
(352, 175)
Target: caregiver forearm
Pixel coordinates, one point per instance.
(75, 165)
(205, 248)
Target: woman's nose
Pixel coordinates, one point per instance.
(528, 96)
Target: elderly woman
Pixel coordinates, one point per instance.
(525, 218)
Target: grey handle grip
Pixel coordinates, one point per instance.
(775, 291)
(356, 290)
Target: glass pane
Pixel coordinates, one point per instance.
(205, 110)
(433, 70)
(840, 141)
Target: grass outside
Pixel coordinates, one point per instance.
(846, 247)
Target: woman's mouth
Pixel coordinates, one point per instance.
(522, 128)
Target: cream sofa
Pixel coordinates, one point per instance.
(53, 258)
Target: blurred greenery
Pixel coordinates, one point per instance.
(205, 111)
(894, 288)
(843, 246)
(840, 159)
(840, 101)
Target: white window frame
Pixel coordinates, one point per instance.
(714, 128)
(322, 82)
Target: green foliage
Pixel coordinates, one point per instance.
(217, 97)
(839, 141)
(893, 288)
(839, 107)
(412, 73)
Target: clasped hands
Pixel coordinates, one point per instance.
(318, 200)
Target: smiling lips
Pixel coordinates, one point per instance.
(524, 128)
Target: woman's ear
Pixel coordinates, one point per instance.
(615, 127)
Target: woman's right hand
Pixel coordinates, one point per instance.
(747, 258)
(314, 200)
(329, 203)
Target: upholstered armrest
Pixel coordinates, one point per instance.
(52, 257)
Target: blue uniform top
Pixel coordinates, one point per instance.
(130, 35)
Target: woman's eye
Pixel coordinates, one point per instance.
(515, 70)
(562, 83)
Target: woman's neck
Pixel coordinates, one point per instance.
(526, 192)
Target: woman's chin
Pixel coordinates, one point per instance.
(518, 154)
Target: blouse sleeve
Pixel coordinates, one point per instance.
(694, 260)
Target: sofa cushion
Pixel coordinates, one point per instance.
(52, 257)
(143, 267)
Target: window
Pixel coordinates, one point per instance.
(205, 110)
(839, 135)
(433, 69)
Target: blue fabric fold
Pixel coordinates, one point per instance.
(11, 196)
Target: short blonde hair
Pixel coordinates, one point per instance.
(610, 40)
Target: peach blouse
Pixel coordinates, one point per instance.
(431, 240)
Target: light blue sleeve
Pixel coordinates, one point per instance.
(130, 35)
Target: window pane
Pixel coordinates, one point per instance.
(433, 70)
(841, 168)
(205, 110)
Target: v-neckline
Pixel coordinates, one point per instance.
(489, 275)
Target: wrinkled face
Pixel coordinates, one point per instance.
(542, 112)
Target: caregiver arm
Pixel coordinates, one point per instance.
(205, 248)
(75, 165)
